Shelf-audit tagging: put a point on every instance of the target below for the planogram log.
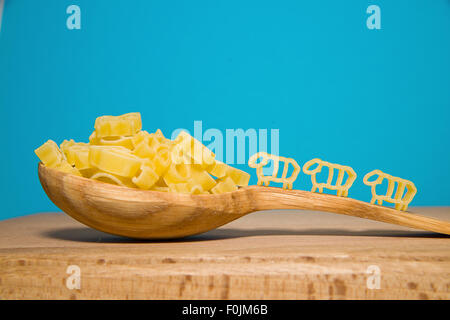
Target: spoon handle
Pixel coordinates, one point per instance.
(269, 198)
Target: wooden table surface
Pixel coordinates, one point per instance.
(265, 255)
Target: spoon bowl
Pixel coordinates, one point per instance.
(146, 214)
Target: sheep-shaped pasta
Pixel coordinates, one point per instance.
(265, 157)
(401, 201)
(339, 186)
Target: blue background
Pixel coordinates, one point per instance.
(335, 89)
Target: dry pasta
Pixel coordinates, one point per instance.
(265, 157)
(121, 153)
(77, 154)
(190, 150)
(401, 199)
(146, 178)
(51, 156)
(341, 187)
(116, 126)
(110, 178)
(224, 185)
(123, 141)
(222, 170)
(115, 160)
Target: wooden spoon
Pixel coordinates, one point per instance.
(160, 215)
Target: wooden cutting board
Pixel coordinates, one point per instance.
(265, 255)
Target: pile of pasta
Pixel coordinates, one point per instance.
(121, 153)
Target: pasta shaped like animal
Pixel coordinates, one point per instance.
(339, 186)
(265, 157)
(401, 201)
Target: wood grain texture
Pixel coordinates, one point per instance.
(265, 255)
(159, 215)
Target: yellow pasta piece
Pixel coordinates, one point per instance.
(201, 178)
(113, 179)
(177, 173)
(115, 160)
(144, 150)
(120, 141)
(225, 185)
(93, 140)
(148, 163)
(69, 148)
(156, 143)
(187, 147)
(162, 161)
(81, 157)
(146, 178)
(186, 173)
(222, 170)
(114, 126)
(68, 152)
(66, 144)
(179, 187)
(197, 189)
(64, 166)
(89, 172)
(139, 137)
(78, 156)
(119, 152)
(240, 177)
(52, 157)
(178, 156)
(400, 199)
(218, 169)
(158, 135)
(50, 154)
(341, 187)
(265, 157)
